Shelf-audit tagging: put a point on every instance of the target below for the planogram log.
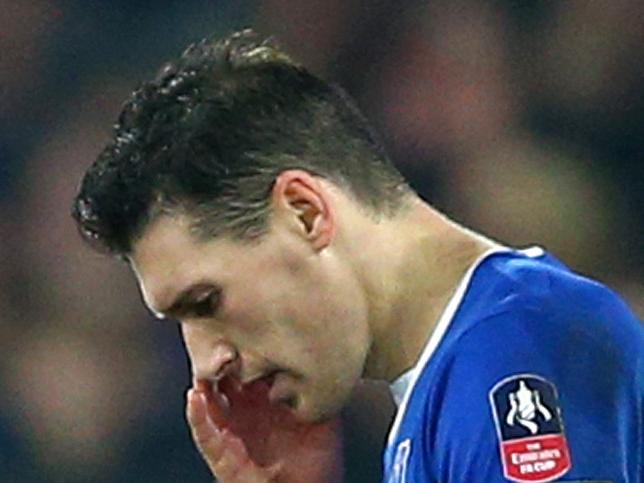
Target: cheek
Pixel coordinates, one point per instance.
(250, 312)
(266, 294)
(329, 330)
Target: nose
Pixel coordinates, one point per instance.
(224, 360)
(220, 360)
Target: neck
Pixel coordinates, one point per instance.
(409, 289)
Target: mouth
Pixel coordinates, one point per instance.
(281, 391)
(273, 387)
(229, 397)
(276, 386)
(263, 381)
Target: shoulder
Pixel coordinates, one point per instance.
(551, 321)
(539, 297)
(568, 338)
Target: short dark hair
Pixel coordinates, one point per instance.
(211, 133)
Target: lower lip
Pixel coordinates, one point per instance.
(280, 391)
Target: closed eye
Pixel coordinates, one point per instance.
(198, 302)
(205, 306)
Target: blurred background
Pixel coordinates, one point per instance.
(521, 119)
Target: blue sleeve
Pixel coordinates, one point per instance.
(589, 348)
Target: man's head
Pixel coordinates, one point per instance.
(224, 186)
(211, 133)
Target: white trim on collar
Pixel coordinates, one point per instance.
(402, 387)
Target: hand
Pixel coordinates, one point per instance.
(245, 439)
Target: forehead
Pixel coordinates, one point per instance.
(165, 243)
(168, 257)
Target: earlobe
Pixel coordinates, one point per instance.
(304, 198)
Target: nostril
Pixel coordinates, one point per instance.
(225, 361)
(229, 369)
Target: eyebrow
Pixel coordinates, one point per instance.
(185, 297)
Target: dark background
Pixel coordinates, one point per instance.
(522, 119)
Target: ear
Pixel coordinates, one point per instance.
(302, 197)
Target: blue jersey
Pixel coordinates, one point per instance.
(533, 373)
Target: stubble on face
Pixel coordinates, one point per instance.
(283, 308)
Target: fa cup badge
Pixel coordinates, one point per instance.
(529, 425)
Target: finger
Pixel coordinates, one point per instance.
(218, 404)
(234, 458)
(230, 385)
(225, 453)
(204, 431)
(235, 466)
